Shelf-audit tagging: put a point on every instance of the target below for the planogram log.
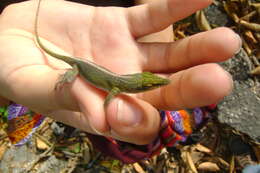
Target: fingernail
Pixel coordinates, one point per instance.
(96, 131)
(239, 44)
(85, 111)
(128, 114)
(230, 81)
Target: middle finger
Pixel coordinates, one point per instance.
(211, 46)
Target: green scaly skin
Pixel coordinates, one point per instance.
(101, 77)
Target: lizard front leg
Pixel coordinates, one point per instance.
(68, 77)
(112, 93)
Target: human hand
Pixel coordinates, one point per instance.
(107, 36)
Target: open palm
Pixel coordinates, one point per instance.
(107, 36)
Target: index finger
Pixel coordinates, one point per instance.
(155, 16)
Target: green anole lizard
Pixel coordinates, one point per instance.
(101, 77)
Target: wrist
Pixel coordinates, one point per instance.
(4, 101)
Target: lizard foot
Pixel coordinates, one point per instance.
(68, 77)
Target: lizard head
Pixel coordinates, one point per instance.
(151, 81)
(140, 82)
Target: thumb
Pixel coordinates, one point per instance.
(125, 118)
(132, 120)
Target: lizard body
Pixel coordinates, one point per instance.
(101, 77)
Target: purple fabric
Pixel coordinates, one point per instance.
(14, 110)
(18, 116)
(198, 116)
(177, 126)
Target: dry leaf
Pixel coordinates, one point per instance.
(202, 21)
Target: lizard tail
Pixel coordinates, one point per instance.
(67, 59)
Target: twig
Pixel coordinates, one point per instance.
(232, 164)
(230, 12)
(90, 165)
(44, 154)
(252, 26)
(72, 163)
(248, 16)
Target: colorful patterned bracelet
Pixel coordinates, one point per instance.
(21, 123)
(175, 127)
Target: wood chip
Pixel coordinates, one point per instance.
(222, 162)
(203, 149)
(256, 71)
(250, 36)
(138, 168)
(2, 150)
(208, 166)
(190, 162)
(230, 11)
(257, 152)
(249, 16)
(232, 165)
(252, 26)
(256, 5)
(40, 144)
(246, 47)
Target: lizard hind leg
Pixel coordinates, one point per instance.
(68, 77)
(112, 93)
